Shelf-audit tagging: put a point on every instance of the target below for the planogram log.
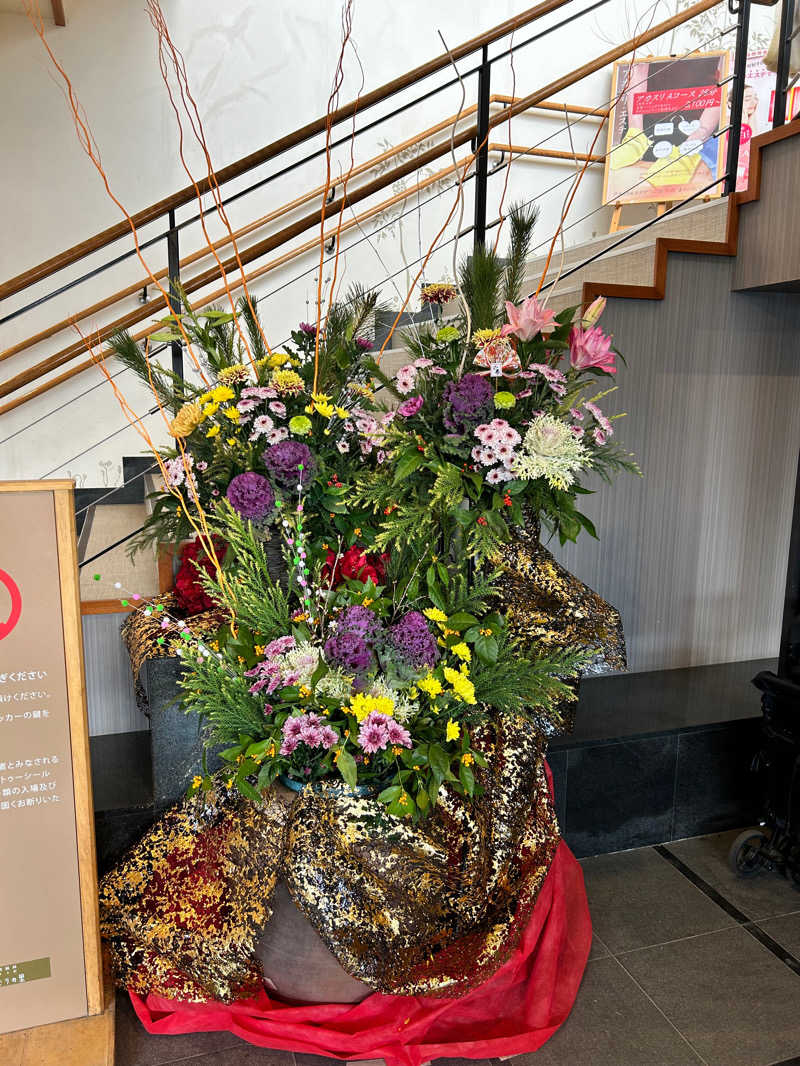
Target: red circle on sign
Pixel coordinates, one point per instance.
(16, 603)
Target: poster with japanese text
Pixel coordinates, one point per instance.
(663, 133)
(758, 105)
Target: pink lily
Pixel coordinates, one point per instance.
(593, 312)
(591, 348)
(529, 319)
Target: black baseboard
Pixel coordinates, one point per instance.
(659, 756)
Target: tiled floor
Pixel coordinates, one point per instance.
(689, 966)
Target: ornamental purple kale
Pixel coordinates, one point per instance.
(251, 496)
(467, 402)
(361, 621)
(348, 651)
(412, 642)
(283, 461)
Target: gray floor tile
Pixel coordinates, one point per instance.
(637, 899)
(599, 950)
(612, 1024)
(243, 1055)
(731, 998)
(763, 896)
(463, 1062)
(786, 930)
(136, 1047)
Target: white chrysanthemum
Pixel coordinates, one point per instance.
(550, 450)
(300, 662)
(403, 708)
(336, 685)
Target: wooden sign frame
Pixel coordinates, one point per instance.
(658, 195)
(62, 492)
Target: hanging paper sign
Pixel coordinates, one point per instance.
(49, 939)
(663, 132)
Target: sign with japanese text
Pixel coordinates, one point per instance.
(664, 140)
(758, 105)
(49, 941)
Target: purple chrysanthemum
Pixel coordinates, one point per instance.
(373, 734)
(398, 735)
(348, 651)
(283, 461)
(467, 402)
(309, 328)
(361, 621)
(413, 642)
(364, 343)
(251, 495)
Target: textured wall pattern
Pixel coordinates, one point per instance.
(109, 688)
(694, 554)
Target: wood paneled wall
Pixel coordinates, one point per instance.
(694, 554)
(109, 686)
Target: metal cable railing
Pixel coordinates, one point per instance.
(483, 70)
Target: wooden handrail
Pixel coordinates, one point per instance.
(206, 250)
(353, 196)
(552, 105)
(282, 144)
(236, 283)
(230, 265)
(546, 153)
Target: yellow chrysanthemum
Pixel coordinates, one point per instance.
(186, 420)
(435, 614)
(482, 336)
(361, 705)
(286, 381)
(342, 412)
(213, 431)
(210, 409)
(462, 651)
(463, 688)
(231, 375)
(431, 685)
(453, 730)
(275, 360)
(221, 393)
(232, 413)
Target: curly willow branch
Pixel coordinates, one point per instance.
(159, 23)
(89, 145)
(333, 100)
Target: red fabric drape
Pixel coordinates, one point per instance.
(514, 1012)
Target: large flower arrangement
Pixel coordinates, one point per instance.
(377, 655)
(366, 687)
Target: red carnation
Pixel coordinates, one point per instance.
(356, 564)
(190, 596)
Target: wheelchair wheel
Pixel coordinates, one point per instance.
(744, 857)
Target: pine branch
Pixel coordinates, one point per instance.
(522, 219)
(480, 276)
(162, 381)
